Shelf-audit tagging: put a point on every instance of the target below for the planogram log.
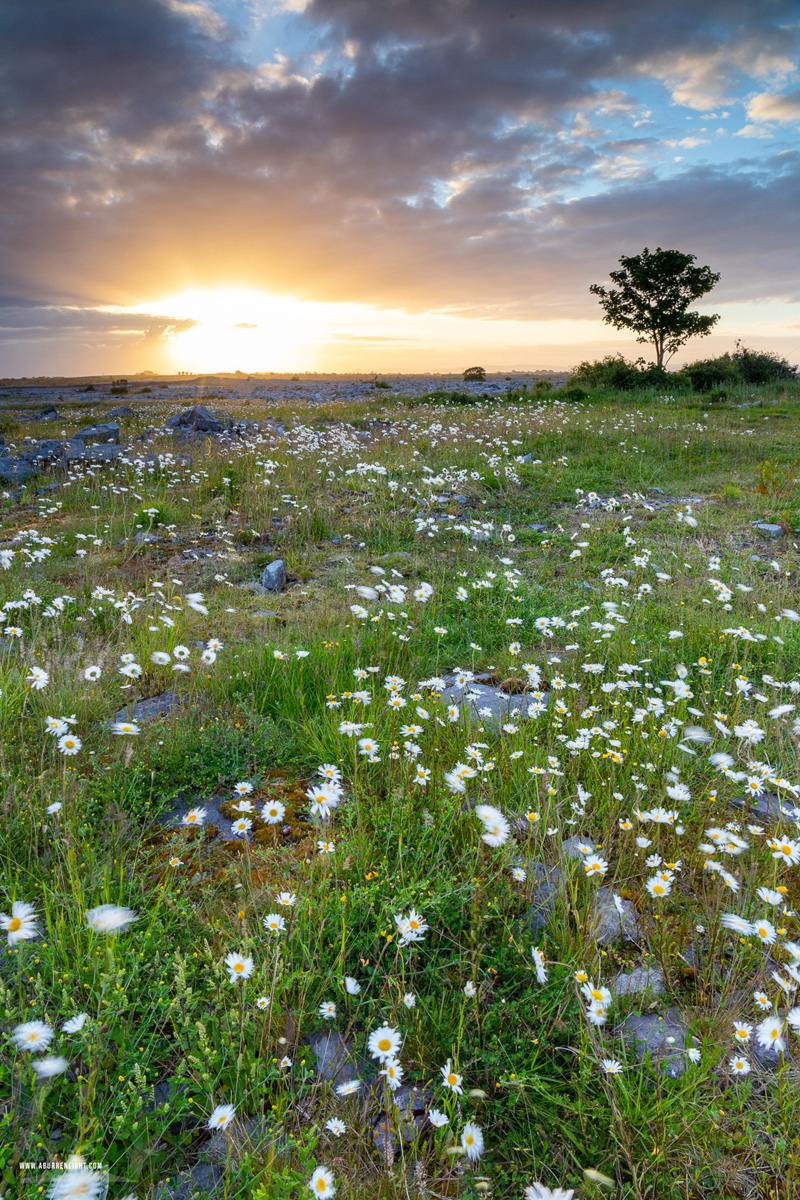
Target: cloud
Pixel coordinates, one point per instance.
(772, 107)
(425, 154)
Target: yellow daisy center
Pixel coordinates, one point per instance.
(14, 924)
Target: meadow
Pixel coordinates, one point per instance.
(493, 804)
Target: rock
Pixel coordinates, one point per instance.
(406, 1120)
(102, 434)
(46, 414)
(544, 896)
(124, 410)
(767, 807)
(103, 454)
(768, 528)
(335, 1060)
(641, 979)
(49, 450)
(16, 470)
(664, 1036)
(244, 1135)
(273, 577)
(203, 1177)
(609, 925)
(148, 538)
(150, 708)
(174, 818)
(576, 847)
(537, 528)
(484, 702)
(198, 419)
(526, 458)
(264, 613)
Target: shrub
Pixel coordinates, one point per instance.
(474, 375)
(617, 373)
(762, 366)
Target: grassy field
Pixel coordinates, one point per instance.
(407, 867)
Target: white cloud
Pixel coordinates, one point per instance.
(753, 131)
(769, 106)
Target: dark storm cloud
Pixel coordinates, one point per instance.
(427, 163)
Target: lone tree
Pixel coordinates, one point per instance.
(652, 297)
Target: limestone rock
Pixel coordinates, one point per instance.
(102, 434)
(198, 419)
(273, 577)
(609, 925)
(638, 981)
(663, 1035)
(544, 895)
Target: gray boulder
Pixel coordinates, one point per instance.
(16, 470)
(49, 450)
(124, 410)
(609, 925)
(273, 577)
(149, 709)
(544, 895)
(768, 528)
(202, 1177)
(46, 414)
(197, 419)
(577, 847)
(336, 1062)
(106, 432)
(639, 981)
(484, 702)
(663, 1036)
(767, 807)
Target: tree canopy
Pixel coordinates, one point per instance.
(652, 297)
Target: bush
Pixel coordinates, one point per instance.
(762, 366)
(616, 373)
(474, 375)
(743, 367)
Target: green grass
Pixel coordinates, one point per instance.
(161, 1009)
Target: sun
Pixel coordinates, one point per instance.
(239, 329)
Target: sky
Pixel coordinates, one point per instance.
(386, 185)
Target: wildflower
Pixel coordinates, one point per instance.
(742, 1031)
(47, 1068)
(735, 923)
(38, 678)
(762, 1001)
(69, 745)
(539, 961)
(239, 968)
(74, 1024)
(437, 1119)
(693, 1054)
(610, 1066)
(109, 918)
(593, 865)
(160, 658)
(658, 887)
(349, 1088)
(470, 990)
(768, 1034)
(410, 1000)
(321, 1183)
(273, 812)
(326, 847)
(21, 925)
(739, 1066)
(32, 1035)
(285, 1063)
(538, 1191)
(92, 673)
(495, 825)
(335, 1126)
(129, 728)
(222, 1116)
(384, 1043)
(274, 923)
(519, 873)
(351, 986)
(392, 1073)
(786, 850)
(262, 1002)
(195, 816)
(411, 928)
(78, 1183)
(472, 1141)
(764, 931)
(451, 1078)
(595, 994)
(327, 1010)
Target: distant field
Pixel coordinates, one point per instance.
(517, 890)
